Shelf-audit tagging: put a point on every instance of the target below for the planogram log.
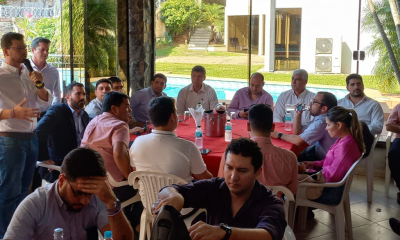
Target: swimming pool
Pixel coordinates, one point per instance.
(226, 89)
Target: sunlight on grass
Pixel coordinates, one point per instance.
(182, 50)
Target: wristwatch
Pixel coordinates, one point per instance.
(115, 208)
(279, 135)
(227, 229)
(39, 85)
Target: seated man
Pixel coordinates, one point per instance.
(162, 151)
(81, 202)
(108, 134)
(279, 165)
(140, 99)
(368, 109)
(103, 86)
(246, 97)
(117, 84)
(238, 207)
(196, 92)
(297, 95)
(315, 136)
(393, 125)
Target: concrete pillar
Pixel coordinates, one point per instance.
(260, 35)
(270, 37)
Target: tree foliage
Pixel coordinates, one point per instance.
(214, 15)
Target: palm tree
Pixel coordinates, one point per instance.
(214, 14)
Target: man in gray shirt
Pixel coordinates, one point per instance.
(368, 109)
(80, 202)
(103, 86)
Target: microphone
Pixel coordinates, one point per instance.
(30, 69)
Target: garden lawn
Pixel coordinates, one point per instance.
(181, 50)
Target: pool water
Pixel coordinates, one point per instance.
(227, 89)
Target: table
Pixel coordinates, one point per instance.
(218, 145)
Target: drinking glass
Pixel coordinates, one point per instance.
(186, 117)
(232, 114)
(180, 119)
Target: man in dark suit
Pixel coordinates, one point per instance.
(61, 129)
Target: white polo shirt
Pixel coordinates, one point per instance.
(188, 98)
(163, 151)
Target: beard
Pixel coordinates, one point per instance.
(77, 104)
(357, 93)
(71, 207)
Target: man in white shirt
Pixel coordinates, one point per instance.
(40, 51)
(298, 94)
(162, 151)
(197, 92)
(94, 108)
(20, 94)
(368, 109)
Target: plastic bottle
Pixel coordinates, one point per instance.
(292, 107)
(199, 137)
(58, 234)
(288, 121)
(228, 130)
(108, 235)
(198, 106)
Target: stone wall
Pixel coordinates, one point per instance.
(5, 26)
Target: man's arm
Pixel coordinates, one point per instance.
(297, 126)
(170, 196)
(20, 112)
(279, 110)
(294, 139)
(213, 99)
(377, 119)
(38, 77)
(234, 106)
(57, 91)
(45, 127)
(180, 101)
(121, 158)
(205, 175)
(393, 128)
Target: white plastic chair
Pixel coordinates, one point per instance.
(341, 211)
(369, 162)
(49, 166)
(387, 171)
(114, 183)
(290, 211)
(149, 185)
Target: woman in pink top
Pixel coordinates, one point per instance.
(343, 124)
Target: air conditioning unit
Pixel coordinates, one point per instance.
(328, 55)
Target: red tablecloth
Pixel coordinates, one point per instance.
(218, 145)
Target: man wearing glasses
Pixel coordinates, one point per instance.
(318, 140)
(80, 202)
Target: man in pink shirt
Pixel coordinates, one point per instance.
(279, 165)
(108, 134)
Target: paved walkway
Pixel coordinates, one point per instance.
(231, 60)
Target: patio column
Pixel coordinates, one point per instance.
(270, 36)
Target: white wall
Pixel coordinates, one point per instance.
(320, 18)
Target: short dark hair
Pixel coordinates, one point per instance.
(6, 39)
(247, 148)
(83, 162)
(36, 41)
(353, 76)
(72, 85)
(257, 74)
(160, 75)
(113, 99)
(106, 80)
(328, 100)
(160, 110)
(261, 118)
(115, 79)
(199, 68)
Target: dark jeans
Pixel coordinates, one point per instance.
(18, 158)
(309, 154)
(394, 161)
(133, 211)
(331, 195)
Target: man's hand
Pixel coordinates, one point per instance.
(100, 187)
(244, 114)
(36, 77)
(309, 165)
(296, 108)
(203, 231)
(50, 162)
(274, 134)
(301, 168)
(172, 200)
(21, 112)
(135, 129)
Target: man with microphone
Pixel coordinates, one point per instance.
(20, 94)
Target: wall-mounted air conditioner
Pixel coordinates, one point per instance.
(328, 55)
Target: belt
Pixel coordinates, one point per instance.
(17, 134)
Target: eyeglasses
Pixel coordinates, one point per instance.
(21, 48)
(80, 194)
(313, 102)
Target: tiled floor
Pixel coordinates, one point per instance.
(368, 223)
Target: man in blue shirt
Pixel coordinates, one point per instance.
(315, 136)
(238, 207)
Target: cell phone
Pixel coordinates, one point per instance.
(205, 151)
(245, 110)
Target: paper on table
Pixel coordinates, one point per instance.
(197, 115)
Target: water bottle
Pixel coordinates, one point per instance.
(198, 106)
(199, 138)
(300, 107)
(108, 235)
(228, 131)
(58, 234)
(288, 121)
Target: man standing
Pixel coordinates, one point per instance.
(61, 129)
(315, 135)
(196, 92)
(140, 99)
(117, 84)
(20, 93)
(40, 51)
(246, 97)
(103, 86)
(297, 95)
(368, 110)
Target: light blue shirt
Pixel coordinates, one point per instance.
(94, 108)
(139, 102)
(79, 127)
(315, 134)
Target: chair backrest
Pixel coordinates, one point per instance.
(288, 194)
(388, 142)
(150, 183)
(114, 183)
(348, 179)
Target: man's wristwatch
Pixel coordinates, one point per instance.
(279, 135)
(115, 208)
(227, 229)
(39, 85)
